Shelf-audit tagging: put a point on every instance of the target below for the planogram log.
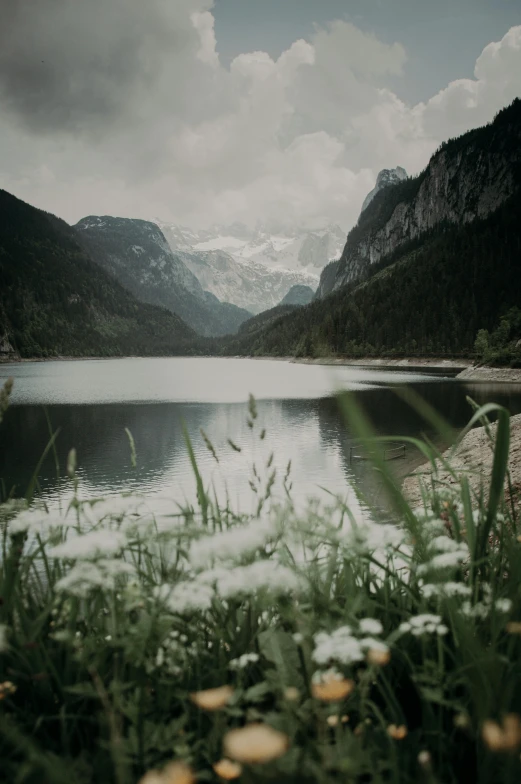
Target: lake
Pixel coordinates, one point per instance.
(91, 402)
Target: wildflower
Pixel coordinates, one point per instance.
(177, 773)
(255, 743)
(227, 769)
(378, 657)
(330, 686)
(298, 638)
(505, 736)
(152, 777)
(7, 689)
(333, 721)
(345, 718)
(291, 694)
(370, 626)
(212, 699)
(341, 646)
(448, 590)
(424, 758)
(244, 660)
(423, 624)
(397, 732)
(89, 546)
(503, 605)
(514, 627)
(232, 544)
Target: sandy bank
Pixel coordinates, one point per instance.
(473, 459)
(412, 362)
(508, 375)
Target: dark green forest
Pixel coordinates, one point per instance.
(433, 300)
(55, 300)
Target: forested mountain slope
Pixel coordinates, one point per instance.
(137, 254)
(431, 300)
(55, 300)
(467, 179)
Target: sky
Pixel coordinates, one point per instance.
(278, 112)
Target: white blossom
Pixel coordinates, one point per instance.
(339, 646)
(232, 544)
(243, 661)
(89, 546)
(370, 626)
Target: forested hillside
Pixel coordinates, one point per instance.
(55, 300)
(137, 254)
(432, 300)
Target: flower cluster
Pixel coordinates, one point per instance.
(419, 625)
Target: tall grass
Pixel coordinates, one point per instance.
(288, 646)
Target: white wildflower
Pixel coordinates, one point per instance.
(243, 661)
(423, 624)
(370, 626)
(233, 544)
(298, 638)
(503, 605)
(446, 590)
(85, 576)
(90, 546)
(339, 646)
(370, 643)
(185, 597)
(247, 580)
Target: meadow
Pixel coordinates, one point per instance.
(290, 645)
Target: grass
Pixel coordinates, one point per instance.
(288, 646)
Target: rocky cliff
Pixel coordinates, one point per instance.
(466, 179)
(385, 178)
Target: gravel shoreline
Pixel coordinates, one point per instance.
(473, 459)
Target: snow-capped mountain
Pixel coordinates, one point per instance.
(255, 268)
(247, 284)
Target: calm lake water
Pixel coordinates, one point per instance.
(91, 403)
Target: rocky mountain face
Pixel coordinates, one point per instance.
(255, 268)
(298, 295)
(251, 285)
(55, 300)
(466, 179)
(385, 178)
(137, 254)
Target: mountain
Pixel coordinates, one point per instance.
(385, 178)
(298, 295)
(265, 319)
(432, 261)
(136, 253)
(249, 284)
(255, 268)
(466, 180)
(55, 299)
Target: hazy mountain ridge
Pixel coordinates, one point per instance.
(138, 255)
(466, 179)
(298, 295)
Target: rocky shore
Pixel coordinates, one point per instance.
(508, 375)
(473, 459)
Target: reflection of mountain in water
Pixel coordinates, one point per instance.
(310, 433)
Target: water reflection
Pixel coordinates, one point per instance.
(309, 432)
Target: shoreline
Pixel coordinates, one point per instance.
(465, 368)
(473, 459)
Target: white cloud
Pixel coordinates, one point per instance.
(158, 126)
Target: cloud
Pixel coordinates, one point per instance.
(132, 113)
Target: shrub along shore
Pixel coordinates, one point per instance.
(309, 645)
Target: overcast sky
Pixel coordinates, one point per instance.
(203, 112)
